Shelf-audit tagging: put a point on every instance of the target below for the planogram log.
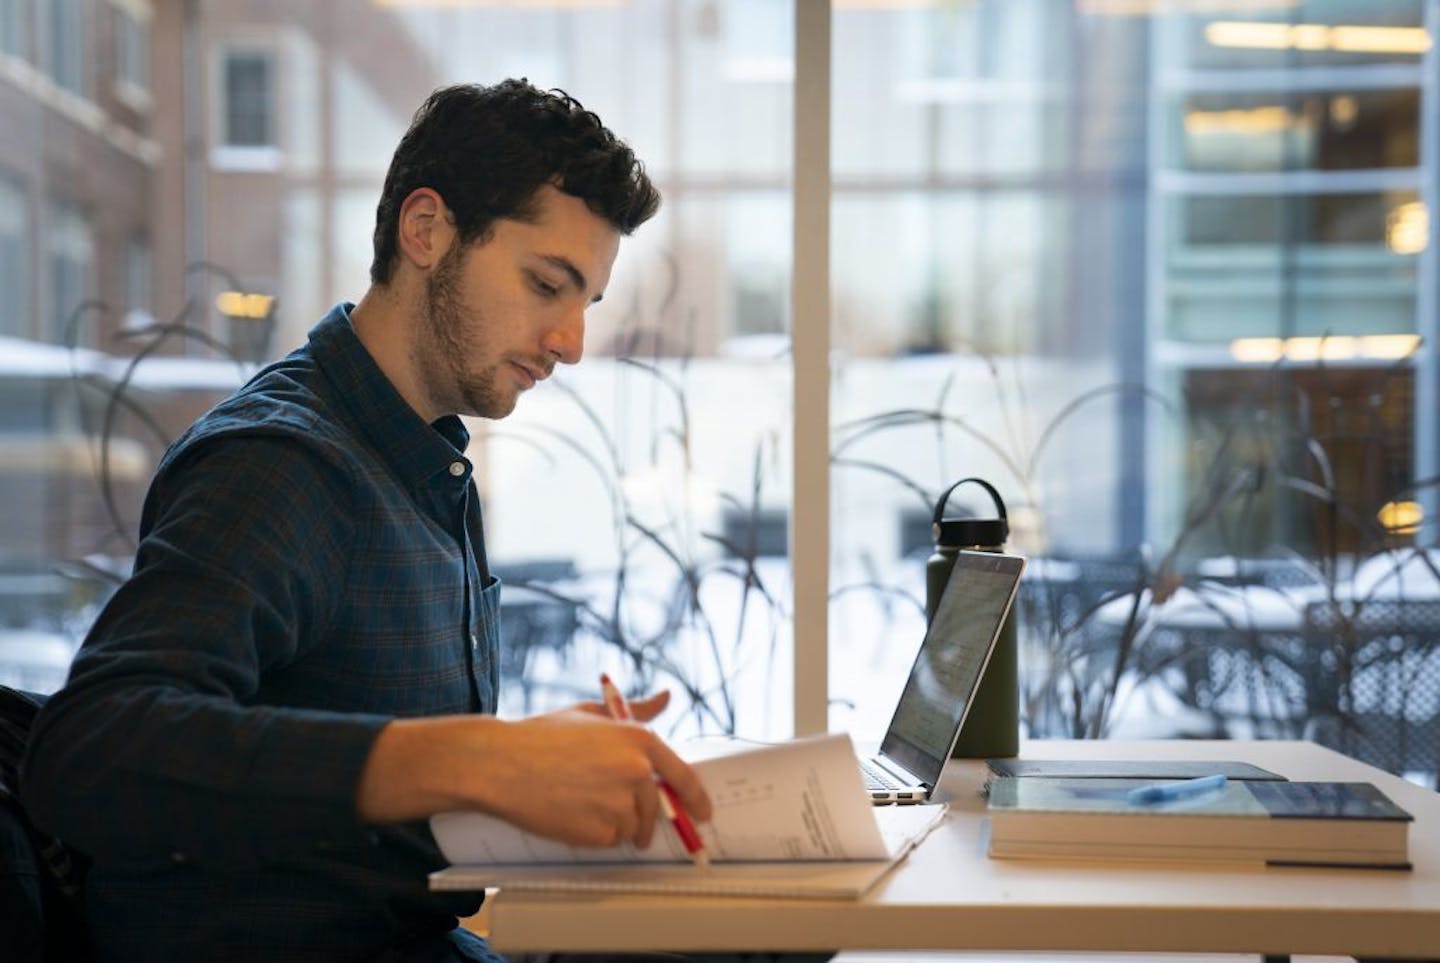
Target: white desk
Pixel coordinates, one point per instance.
(950, 895)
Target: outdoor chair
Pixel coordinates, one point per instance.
(532, 622)
(1374, 681)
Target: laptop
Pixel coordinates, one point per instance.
(943, 681)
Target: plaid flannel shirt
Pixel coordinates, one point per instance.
(311, 566)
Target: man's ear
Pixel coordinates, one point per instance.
(426, 228)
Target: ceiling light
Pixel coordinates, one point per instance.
(1401, 518)
(1145, 8)
(1259, 35)
(1389, 347)
(1337, 347)
(239, 304)
(1257, 350)
(1407, 228)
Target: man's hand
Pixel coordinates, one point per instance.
(574, 775)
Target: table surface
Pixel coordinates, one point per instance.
(949, 895)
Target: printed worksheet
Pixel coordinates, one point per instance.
(799, 800)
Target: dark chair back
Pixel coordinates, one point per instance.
(41, 878)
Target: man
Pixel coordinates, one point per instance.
(302, 667)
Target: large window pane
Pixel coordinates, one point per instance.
(636, 505)
(1160, 272)
(1157, 272)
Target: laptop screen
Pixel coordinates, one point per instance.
(952, 657)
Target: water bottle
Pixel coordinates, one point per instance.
(992, 729)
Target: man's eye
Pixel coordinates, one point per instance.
(544, 287)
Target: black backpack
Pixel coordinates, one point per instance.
(41, 879)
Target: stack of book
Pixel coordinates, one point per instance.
(1211, 819)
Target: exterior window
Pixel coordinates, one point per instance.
(65, 44)
(132, 51)
(757, 241)
(249, 99)
(70, 256)
(138, 312)
(13, 21)
(1164, 273)
(13, 247)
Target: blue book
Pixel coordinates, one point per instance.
(1129, 768)
(1212, 820)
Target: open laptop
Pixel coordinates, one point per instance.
(942, 684)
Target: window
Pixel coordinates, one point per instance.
(1139, 264)
(1296, 130)
(14, 26)
(1157, 278)
(138, 303)
(249, 99)
(67, 37)
(14, 253)
(132, 51)
(757, 234)
(70, 255)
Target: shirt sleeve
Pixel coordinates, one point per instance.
(156, 750)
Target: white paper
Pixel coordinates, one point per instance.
(799, 800)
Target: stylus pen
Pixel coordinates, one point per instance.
(670, 805)
(1169, 791)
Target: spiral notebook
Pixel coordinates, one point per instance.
(790, 821)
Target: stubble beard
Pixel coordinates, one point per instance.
(447, 341)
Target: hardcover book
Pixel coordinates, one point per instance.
(1128, 768)
(1257, 821)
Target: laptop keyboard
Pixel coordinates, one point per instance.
(877, 778)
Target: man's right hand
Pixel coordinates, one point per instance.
(572, 775)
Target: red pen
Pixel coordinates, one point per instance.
(618, 708)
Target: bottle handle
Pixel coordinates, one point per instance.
(994, 495)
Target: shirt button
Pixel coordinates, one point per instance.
(457, 468)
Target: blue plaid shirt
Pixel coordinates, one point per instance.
(311, 566)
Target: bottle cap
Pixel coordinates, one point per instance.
(960, 532)
(977, 532)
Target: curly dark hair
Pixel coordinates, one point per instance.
(487, 150)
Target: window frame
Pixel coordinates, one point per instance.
(60, 211)
(226, 155)
(76, 37)
(130, 43)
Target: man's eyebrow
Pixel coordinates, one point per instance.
(568, 266)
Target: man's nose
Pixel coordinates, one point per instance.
(566, 338)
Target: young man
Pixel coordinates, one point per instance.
(302, 667)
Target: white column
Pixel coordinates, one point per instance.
(810, 352)
(1426, 410)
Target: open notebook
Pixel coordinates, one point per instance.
(790, 820)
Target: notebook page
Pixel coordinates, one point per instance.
(799, 800)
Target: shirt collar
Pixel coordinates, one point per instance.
(416, 450)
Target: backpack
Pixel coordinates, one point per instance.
(41, 879)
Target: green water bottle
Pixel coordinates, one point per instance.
(992, 728)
